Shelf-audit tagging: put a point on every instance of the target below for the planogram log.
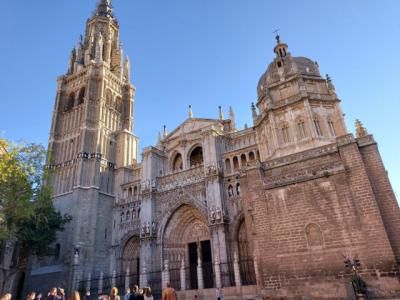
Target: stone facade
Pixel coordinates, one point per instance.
(268, 211)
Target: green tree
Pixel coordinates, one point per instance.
(27, 215)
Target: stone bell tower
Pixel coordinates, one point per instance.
(91, 144)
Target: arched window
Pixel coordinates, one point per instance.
(238, 189)
(331, 128)
(235, 163)
(130, 193)
(122, 217)
(251, 155)
(118, 104)
(301, 129)
(128, 215)
(81, 97)
(177, 164)
(243, 160)
(70, 102)
(285, 133)
(196, 156)
(228, 165)
(317, 127)
(230, 191)
(314, 235)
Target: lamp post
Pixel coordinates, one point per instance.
(359, 285)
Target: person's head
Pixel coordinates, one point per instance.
(87, 294)
(168, 285)
(128, 290)
(195, 296)
(61, 291)
(75, 296)
(6, 296)
(114, 291)
(53, 291)
(39, 296)
(141, 291)
(147, 292)
(135, 288)
(31, 296)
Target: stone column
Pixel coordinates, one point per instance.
(100, 283)
(236, 270)
(256, 271)
(165, 275)
(75, 271)
(217, 269)
(127, 278)
(88, 282)
(200, 281)
(113, 279)
(143, 276)
(183, 275)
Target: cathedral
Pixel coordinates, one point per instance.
(276, 210)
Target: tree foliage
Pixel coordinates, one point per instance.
(27, 214)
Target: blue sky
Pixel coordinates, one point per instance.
(207, 53)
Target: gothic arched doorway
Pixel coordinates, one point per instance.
(131, 259)
(246, 262)
(187, 238)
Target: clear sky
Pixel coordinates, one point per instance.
(207, 53)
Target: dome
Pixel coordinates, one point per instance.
(284, 65)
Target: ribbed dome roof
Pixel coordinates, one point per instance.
(289, 66)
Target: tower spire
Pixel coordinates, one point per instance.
(104, 8)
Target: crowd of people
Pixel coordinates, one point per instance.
(134, 293)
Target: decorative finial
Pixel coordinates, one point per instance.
(277, 37)
(360, 129)
(246, 126)
(190, 112)
(328, 78)
(165, 132)
(253, 111)
(232, 117)
(221, 113)
(159, 138)
(127, 69)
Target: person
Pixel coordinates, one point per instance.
(147, 294)
(31, 296)
(169, 293)
(135, 294)
(6, 296)
(61, 294)
(127, 294)
(114, 294)
(218, 294)
(195, 297)
(52, 295)
(75, 296)
(39, 296)
(87, 296)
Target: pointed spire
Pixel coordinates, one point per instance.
(190, 112)
(253, 111)
(159, 138)
(232, 117)
(221, 113)
(165, 132)
(104, 8)
(361, 131)
(127, 69)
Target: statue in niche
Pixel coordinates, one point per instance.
(99, 48)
